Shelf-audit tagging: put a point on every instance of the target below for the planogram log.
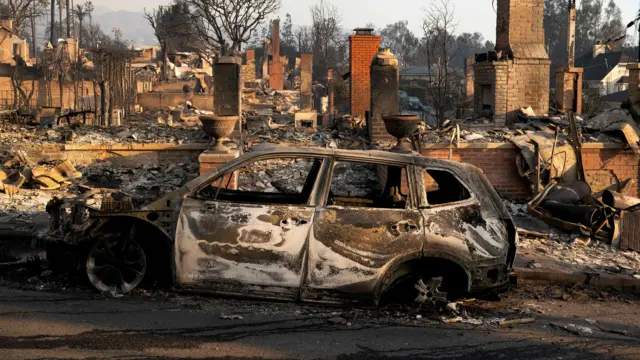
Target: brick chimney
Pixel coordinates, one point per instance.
(276, 73)
(519, 22)
(363, 46)
(251, 55)
(520, 78)
(7, 22)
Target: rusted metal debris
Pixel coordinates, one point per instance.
(573, 208)
(311, 242)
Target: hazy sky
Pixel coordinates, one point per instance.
(472, 15)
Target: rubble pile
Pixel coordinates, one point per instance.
(288, 136)
(286, 176)
(287, 101)
(581, 254)
(574, 251)
(143, 184)
(96, 135)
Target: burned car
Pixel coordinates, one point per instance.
(307, 224)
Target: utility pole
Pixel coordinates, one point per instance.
(68, 19)
(33, 33)
(53, 21)
(60, 17)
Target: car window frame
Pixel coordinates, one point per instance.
(310, 201)
(412, 199)
(421, 169)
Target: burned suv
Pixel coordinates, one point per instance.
(308, 224)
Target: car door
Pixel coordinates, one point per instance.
(357, 233)
(245, 241)
(456, 222)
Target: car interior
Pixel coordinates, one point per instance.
(371, 194)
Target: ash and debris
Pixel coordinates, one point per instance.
(134, 132)
(286, 176)
(568, 251)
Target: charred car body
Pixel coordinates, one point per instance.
(414, 226)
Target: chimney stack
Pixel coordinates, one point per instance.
(599, 48)
(571, 38)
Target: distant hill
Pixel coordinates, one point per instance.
(133, 25)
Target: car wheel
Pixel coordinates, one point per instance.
(116, 265)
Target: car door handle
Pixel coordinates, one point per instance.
(404, 227)
(293, 221)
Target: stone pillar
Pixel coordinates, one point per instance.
(306, 82)
(569, 89)
(227, 101)
(276, 80)
(468, 76)
(362, 48)
(571, 35)
(212, 159)
(227, 87)
(385, 84)
(265, 60)
(331, 89)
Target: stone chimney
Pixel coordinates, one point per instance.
(571, 35)
(363, 46)
(468, 76)
(599, 48)
(385, 84)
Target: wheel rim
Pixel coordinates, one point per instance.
(115, 265)
(429, 292)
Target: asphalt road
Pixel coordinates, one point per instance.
(81, 324)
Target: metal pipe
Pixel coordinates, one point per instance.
(619, 201)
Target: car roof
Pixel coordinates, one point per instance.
(364, 155)
(375, 156)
